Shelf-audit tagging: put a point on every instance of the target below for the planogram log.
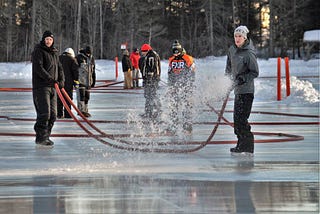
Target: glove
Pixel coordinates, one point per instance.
(76, 84)
(61, 84)
(52, 81)
(240, 80)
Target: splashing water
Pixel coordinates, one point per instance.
(208, 89)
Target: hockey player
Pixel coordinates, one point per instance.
(181, 76)
(87, 79)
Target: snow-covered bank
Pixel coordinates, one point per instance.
(303, 91)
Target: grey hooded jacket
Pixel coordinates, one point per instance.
(242, 67)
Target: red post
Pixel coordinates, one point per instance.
(116, 62)
(279, 80)
(287, 76)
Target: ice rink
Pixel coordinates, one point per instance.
(83, 175)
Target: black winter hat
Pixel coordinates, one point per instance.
(88, 50)
(47, 33)
(176, 47)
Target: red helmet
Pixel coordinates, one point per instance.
(145, 47)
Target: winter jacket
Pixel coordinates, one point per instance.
(70, 69)
(242, 67)
(134, 57)
(181, 63)
(87, 69)
(126, 63)
(46, 68)
(150, 66)
(181, 68)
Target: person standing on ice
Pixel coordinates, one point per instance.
(134, 57)
(151, 72)
(127, 70)
(181, 77)
(242, 68)
(71, 74)
(46, 71)
(87, 79)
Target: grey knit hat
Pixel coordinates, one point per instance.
(242, 30)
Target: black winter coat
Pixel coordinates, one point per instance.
(70, 69)
(150, 66)
(126, 63)
(46, 68)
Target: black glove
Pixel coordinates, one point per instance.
(240, 80)
(61, 84)
(51, 81)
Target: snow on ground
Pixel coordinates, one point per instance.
(304, 77)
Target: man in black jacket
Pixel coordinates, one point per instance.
(71, 74)
(46, 71)
(127, 70)
(151, 71)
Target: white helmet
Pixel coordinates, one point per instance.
(70, 51)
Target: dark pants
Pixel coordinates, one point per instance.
(45, 102)
(241, 114)
(152, 104)
(84, 94)
(60, 108)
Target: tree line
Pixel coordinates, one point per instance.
(204, 27)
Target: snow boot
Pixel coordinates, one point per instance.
(46, 142)
(86, 111)
(42, 137)
(244, 145)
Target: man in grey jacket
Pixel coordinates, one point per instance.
(242, 67)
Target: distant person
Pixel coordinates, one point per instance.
(87, 79)
(46, 71)
(181, 77)
(151, 72)
(71, 74)
(242, 67)
(134, 57)
(127, 70)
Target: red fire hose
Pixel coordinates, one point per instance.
(115, 141)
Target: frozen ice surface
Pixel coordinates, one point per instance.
(82, 175)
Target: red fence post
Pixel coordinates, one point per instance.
(279, 79)
(116, 62)
(287, 76)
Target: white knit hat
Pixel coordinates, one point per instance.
(70, 51)
(242, 30)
